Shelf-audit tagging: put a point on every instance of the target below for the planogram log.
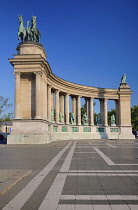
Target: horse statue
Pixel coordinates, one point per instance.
(34, 31)
(29, 33)
(21, 29)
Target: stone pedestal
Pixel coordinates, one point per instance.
(31, 48)
(125, 112)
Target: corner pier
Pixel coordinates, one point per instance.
(42, 104)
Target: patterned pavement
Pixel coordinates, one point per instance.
(79, 175)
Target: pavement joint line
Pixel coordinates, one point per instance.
(52, 198)
(109, 161)
(20, 199)
(106, 159)
(126, 164)
(105, 171)
(111, 145)
(74, 207)
(99, 197)
(97, 207)
(85, 152)
(99, 174)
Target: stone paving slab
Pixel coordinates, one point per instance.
(8, 178)
(80, 175)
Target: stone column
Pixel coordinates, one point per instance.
(46, 100)
(105, 113)
(78, 111)
(57, 106)
(61, 108)
(49, 103)
(38, 95)
(87, 101)
(52, 99)
(17, 111)
(117, 111)
(101, 111)
(91, 112)
(74, 106)
(67, 108)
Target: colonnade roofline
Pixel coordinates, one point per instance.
(60, 84)
(76, 89)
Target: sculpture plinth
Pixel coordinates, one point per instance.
(31, 48)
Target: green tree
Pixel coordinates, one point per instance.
(109, 113)
(4, 105)
(134, 118)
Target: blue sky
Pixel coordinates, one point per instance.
(88, 42)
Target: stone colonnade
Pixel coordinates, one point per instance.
(58, 103)
(43, 100)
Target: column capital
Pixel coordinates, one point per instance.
(106, 99)
(57, 91)
(73, 96)
(17, 73)
(103, 99)
(78, 96)
(49, 86)
(38, 72)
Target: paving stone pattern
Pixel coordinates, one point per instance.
(83, 175)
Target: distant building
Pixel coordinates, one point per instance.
(6, 127)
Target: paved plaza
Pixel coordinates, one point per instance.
(70, 175)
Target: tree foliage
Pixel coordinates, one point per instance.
(4, 105)
(109, 114)
(134, 118)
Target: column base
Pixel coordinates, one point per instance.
(37, 117)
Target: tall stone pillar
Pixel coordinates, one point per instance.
(124, 105)
(67, 108)
(61, 107)
(38, 94)
(117, 112)
(103, 112)
(49, 103)
(91, 112)
(57, 106)
(17, 112)
(78, 111)
(87, 108)
(46, 100)
(74, 106)
(52, 99)
(125, 112)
